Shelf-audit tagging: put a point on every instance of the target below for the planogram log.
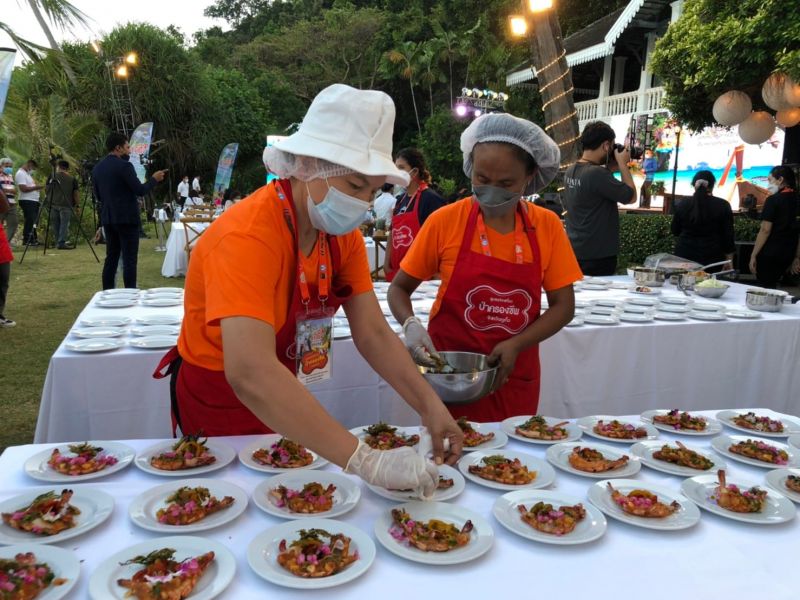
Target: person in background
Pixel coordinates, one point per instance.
(414, 205)
(591, 195)
(196, 183)
(649, 166)
(496, 254)
(6, 258)
(65, 199)
(194, 199)
(28, 200)
(384, 204)
(8, 217)
(183, 191)
(234, 197)
(777, 247)
(117, 188)
(703, 224)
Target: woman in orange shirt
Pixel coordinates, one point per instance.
(495, 255)
(265, 279)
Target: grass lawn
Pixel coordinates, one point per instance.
(45, 296)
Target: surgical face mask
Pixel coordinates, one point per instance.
(8, 170)
(496, 201)
(773, 188)
(338, 213)
(399, 190)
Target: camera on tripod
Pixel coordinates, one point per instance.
(55, 154)
(636, 153)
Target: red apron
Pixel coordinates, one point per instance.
(487, 301)
(5, 248)
(405, 227)
(202, 399)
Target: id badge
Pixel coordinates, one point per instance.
(314, 342)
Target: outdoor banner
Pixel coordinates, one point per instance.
(7, 56)
(140, 148)
(225, 169)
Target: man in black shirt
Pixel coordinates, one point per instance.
(64, 196)
(591, 195)
(118, 189)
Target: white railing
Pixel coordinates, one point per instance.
(587, 110)
(621, 104)
(654, 99)
(651, 100)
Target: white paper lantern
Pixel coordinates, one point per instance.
(791, 92)
(774, 92)
(757, 128)
(788, 118)
(731, 108)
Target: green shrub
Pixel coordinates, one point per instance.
(745, 229)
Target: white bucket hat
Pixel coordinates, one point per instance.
(349, 127)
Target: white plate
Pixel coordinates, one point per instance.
(558, 456)
(164, 290)
(162, 301)
(481, 537)
(596, 280)
(608, 303)
(345, 498)
(98, 332)
(143, 508)
(224, 453)
(116, 302)
(642, 301)
(636, 317)
(121, 291)
(160, 320)
(262, 553)
(63, 563)
(675, 308)
(148, 330)
(246, 456)
(602, 310)
(594, 287)
(652, 292)
(669, 316)
(404, 431)
(445, 471)
(618, 285)
(134, 296)
(499, 440)
(95, 506)
(676, 300)
(161, 296)
(577, 321)
(106, 322)
(708, 307)
(588, 529)
(582, 303)
(790, 426)
(509, 426)
(37, 468)
(587, 425)
(700, 488)
(706, 316)
(545, 475)
(644, 452)
(794, 441)
(723, 442)
(776, 479)
(740, 313)
(95, 345)
(151, 342)
(218, 575)
(636, 308)
(713, 427)
(594, 319)
(686, 516)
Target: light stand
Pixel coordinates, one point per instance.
(161, 217)
(675, 167)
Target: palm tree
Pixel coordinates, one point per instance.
(405, 57)
(448, 49)
(429, 68)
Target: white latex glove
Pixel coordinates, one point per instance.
(398, 469)
(418, 342)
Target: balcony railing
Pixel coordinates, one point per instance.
(649, 101)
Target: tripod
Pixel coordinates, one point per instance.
(88, 196)
(48, 202)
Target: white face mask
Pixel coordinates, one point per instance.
(338, 213)
(773, 188)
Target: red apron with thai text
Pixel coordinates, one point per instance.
(203, 400)
(487, 301)
(405, 227)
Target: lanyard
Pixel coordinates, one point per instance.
(415, 198)
(518, 239)
(322, 256)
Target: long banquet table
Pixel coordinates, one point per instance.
(588, 369)
(716, 558)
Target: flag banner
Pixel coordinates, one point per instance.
(140, 148)
(7, 56)
(225, 169)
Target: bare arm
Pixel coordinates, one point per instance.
(399, 296)
(763, 235)
(388, 253)
(273, 393)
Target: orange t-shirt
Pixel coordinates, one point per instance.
(245, 265)
(435, 249)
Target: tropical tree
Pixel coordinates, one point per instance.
(449, 50)
(404, 60)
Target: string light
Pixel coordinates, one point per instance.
(554, 98)
(552, 62)
(556, 80)
(562, 120)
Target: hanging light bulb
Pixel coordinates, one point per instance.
(132, 58)
(519, 26)
(540, 5)
(122, 71)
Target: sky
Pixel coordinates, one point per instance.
(104, 15)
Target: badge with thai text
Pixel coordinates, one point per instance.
(314, 343)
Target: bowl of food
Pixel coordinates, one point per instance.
(691, 278)
(649, 276)
(711, 288)
(462, 377)
(765, 300)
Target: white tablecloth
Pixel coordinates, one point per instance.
(175, 260)
(717, 558)
(587, 369)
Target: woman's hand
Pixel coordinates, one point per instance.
(505, 354)
(752, 264)
(398, 469)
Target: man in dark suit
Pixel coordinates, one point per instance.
(117, 189)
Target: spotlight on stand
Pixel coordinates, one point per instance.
(461, 110)
(476, 102)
